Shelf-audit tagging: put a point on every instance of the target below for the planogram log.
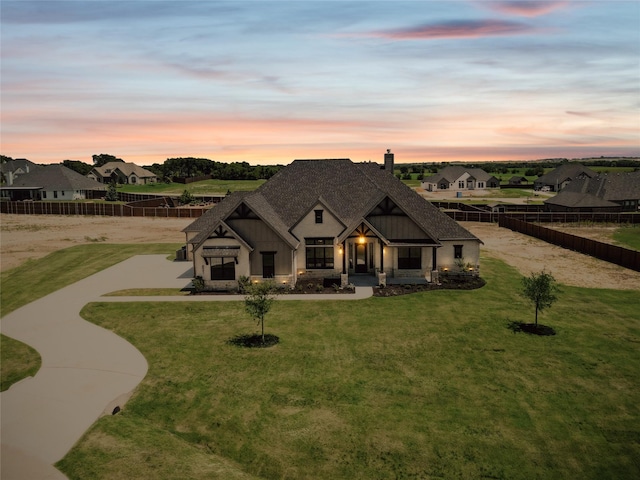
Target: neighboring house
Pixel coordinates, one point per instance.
(51, 182)
(12, 169)
(517, 180)
(326, 219)
(560, 177)
(121, 172)
(613, 192)
(457, 177)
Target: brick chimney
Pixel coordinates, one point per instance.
(388, 161)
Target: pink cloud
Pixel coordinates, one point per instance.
(524, 8)
(456, 29)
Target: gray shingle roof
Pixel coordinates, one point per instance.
(566, 171)
(453, 172)
(350, 190)
(599, 191)
(57, 177)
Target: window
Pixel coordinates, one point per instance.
(44, 194)
(268, 264)
(480, 184)
(318, 216)
(457, 251)
(319, 253)
(55, 194)
(461, 184)
(409, 258)
(223, 268)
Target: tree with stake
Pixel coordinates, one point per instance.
(540, 289)
(258, 300)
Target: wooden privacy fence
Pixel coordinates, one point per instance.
(100, 209)
(610, 253)
(546, 217)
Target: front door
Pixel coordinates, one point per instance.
(268, 265)
(361, 258)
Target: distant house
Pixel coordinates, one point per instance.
(326, 219)
(12, 169)
(517, 180)
(560, 177)
(51, 182)
(123, 173)
(613, 192)
(457, 177)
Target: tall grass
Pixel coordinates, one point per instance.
(427, 385)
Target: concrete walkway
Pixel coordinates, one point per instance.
(85, 369)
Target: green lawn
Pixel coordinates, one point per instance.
(628, 236)
(427, 385)
(17, 361)
(36, 278)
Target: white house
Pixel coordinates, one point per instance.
(460, 178)
(51, 182)
(120, 172)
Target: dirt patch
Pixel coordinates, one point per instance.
(24, 237)
(529, 254)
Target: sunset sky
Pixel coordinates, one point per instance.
(271, 81)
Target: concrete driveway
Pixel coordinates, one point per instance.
(86, 369)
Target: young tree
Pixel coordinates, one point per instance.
(258, 301)
(186, 198)
(540, 289)
(112, 194)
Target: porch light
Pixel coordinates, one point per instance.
(340, 250)
(445, 269)
(361, 239)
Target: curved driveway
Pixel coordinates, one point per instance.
(84, 367)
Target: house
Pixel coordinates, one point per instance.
(517, 180)
(12, 169)
(613, 192)
(124, 173)
(51, 182)
(321, 219)
(457, 177)
(560, 177)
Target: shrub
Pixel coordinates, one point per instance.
(198, 284)
(243, 283)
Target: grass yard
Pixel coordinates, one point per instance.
(427, 385)
(628, 236)
(18, 361)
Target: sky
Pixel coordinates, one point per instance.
(268, 82)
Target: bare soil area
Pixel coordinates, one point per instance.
(24, 237)
(529, 254)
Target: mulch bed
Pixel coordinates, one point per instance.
(254, 340)
(531, 329)
(467, 283)
(471, 283)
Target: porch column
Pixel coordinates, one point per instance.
(381, 257)
(344, 257)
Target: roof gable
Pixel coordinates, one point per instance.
(57, 177)
(351, 191)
